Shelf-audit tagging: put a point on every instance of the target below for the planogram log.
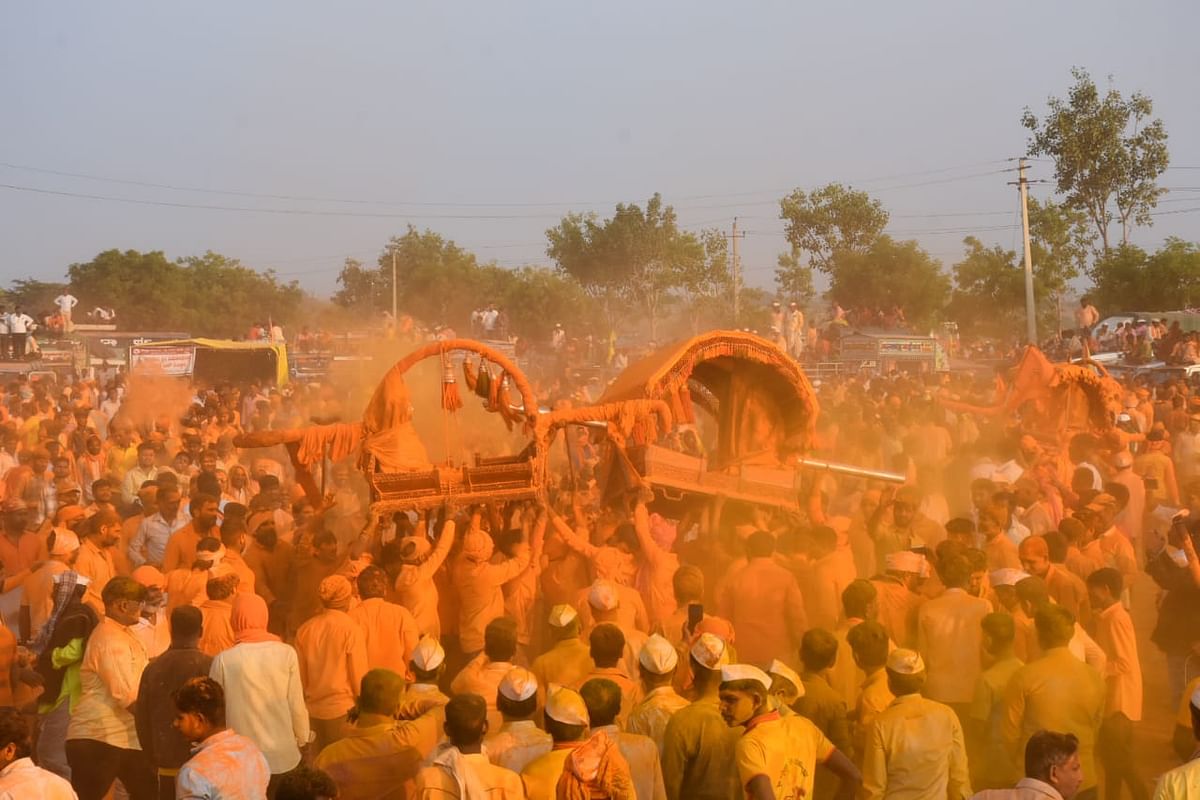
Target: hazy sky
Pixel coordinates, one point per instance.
(487, 121)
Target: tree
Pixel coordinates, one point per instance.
(360, 287)
(825, 221)
(208, 295)
(537, 298)
(1106, 150)
(989, 292)
(32, 295)
(636, 255)
(794, 279)
(706, 283)
(1127, 278)
(888, 274)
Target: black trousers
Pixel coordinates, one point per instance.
(95, 765)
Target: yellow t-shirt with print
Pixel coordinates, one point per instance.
(786, 750)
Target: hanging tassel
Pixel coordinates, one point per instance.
(483, 382)
(451, 400)
(687, 412)
(501, 404)
(469, 373)
(493, 391)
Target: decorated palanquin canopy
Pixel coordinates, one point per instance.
(763, 406)
(1055, 400)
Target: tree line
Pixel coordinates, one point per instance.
(637, 270)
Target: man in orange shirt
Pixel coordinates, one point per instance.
(949, 637)
(333, 661)
(607, 646)
(95, 559)
(181, 547)
(1123, 676)
(389, 630)
(898, 598)
(233, 539)
(764, 604)
(478, 581)
(482, 675)
(1065, 587)
(832, 572)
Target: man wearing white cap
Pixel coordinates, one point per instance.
(1055, 692)
(427, 665)
(776, 756)
(949, 636)
(657, 663)
(566, 720)
(478, 581)
(786, 687)
(603, 700)
(604, 601)
(1181, 783)
(698, 747)
(482, 676)
(518, 740)
(898, 598)
(462, 770)
(915, 748)
(569, 659)
(37, 601)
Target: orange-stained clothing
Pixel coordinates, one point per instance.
(1001, 553)
(389, 633)
(497, 783)
(96, 563)
(1056, 692)
(565, 664)
(520, 595)
(217, 631)
(376, 760)
(764, 604)
(784, 750)
(656, 571)
(517, 743)
(186, 587)
(240, 568)
(631, 609)
(38, 595)
(24, 553)
(426, 730)
(631, 691)
(271, 568)
(898, 610)
(1123, 671)
(949, 637)
(650, 716)
(915, 751)
(873, 700)
(1069, 591)
(480, 597)
(831, 574)
(645, 765)
(1113, 549)
(482, 676)
(181, 547)
(416, 590)
(333, 660)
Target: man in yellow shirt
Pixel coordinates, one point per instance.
(462, 770)
(869, 644)
(518, 740)
(570, 658)
(915, 748)
(1183, 782)
(603, 700)
(657, 663)
(1055, 692)
(566, 720)
(992, 765)
(777, 756)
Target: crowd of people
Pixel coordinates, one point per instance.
(181, 620)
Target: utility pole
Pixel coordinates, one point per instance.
(395, 319)
(1030, 305)
(736, 272)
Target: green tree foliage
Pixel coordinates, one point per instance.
(208, 295)
(637, 256)
(1128, 278)
(706, 284)
(536, 298)
(822, 223)
(1060, 242)
(989, 291)
(891, 273)
(1107, 151)
(794, 279)
(32, 295)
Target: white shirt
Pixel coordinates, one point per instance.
(1026, 789)
(264, 700)
(19, 323)
(65, 302)
(22, 780)
(1181, 783)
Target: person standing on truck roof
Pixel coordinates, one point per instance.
(1086, 316)
(5, 345)
(20, 325)
(65, 302)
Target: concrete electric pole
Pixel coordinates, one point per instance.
(1030, 304)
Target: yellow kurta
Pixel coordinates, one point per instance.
(915, 751)
(1056, 692)
(650, 717)
(541, 775)
(786, 750)
(376, 759)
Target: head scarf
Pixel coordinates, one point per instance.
(478, 546)
(335, 592)
(248, 619)
(595, 769)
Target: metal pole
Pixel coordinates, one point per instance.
(737, 275)
(394, 318)
(1030, 305)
